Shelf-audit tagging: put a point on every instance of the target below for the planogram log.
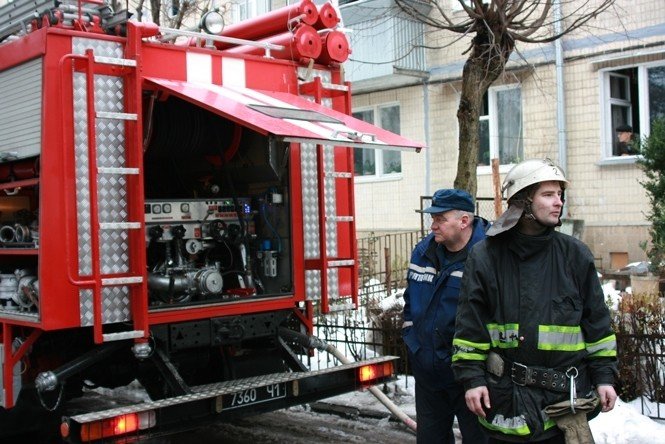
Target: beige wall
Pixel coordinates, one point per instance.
(389, 203)
(608, 198)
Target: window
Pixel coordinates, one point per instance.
(501, 126)
(378, 163)
(632, 96)
(246, 9)
(457, 6)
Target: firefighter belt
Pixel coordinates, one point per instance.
(520, 374)
(573, 422)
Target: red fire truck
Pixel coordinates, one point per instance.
(175, 209)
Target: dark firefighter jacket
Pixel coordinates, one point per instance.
(537, 301)
(430, 303)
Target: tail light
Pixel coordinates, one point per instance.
(110, 427)
(367, 374)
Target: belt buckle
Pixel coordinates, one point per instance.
(519, 379)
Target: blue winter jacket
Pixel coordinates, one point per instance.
(430, 302)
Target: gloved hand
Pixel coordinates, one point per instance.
(574, 425)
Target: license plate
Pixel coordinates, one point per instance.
(254, 396)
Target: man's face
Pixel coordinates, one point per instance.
(624, 136)
(546, 205)
(447, 227)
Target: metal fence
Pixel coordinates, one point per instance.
(375, 328)
(363, 339)
(384, 260)
(381, 336)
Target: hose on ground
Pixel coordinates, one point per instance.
(314, 342)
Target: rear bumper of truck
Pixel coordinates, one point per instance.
(224, 401)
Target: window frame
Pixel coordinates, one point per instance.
(379, 175)
(642, 105)
(456, 7)
(253, 6)
(492, 116)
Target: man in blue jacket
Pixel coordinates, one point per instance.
(430, 307)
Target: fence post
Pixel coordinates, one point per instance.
(386, 257)
(496, 180)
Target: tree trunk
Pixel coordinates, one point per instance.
(155, 9)
(485, 64)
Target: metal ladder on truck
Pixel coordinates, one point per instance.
(118, 180)
(330, 220)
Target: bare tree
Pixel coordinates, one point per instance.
(169, 13)
(495, 27)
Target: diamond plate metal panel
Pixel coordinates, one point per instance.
(85, 308)
(326, 77)
(82, 174)
(115, 306)
(114, 246)
(313, 285)
(333, 284)
(330, 198)
(112, 189)
(310, 200)
(100, 47)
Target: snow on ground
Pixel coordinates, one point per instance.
(626, 425)
(623, 425)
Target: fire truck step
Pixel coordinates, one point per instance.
(340, 175)
(116, 116)
(119, 225)
(114, 61)
(117, 170)
(109, 282)
(119, 336)
(341, 304)
(341, 263)
(341, 218)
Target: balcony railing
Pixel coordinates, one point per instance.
(384, 40)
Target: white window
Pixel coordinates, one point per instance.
(501, 127)
(246, 9)
(631, 96)
(379, 163)
(457, 6)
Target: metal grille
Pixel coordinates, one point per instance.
(21, 110)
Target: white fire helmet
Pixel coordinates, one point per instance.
(529, 172)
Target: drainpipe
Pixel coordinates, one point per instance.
(560, 94)
(428, 149)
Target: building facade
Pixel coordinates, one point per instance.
(611, 73)
(406, 77)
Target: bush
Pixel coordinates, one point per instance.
(652, 150)
(639, 324)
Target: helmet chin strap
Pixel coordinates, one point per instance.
(528, 214)
(530, 217)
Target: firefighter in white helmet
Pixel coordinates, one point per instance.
(533, 345)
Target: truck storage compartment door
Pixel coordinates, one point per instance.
(325, 168)
(287, 116)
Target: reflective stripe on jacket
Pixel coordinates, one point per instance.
(535, 300)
